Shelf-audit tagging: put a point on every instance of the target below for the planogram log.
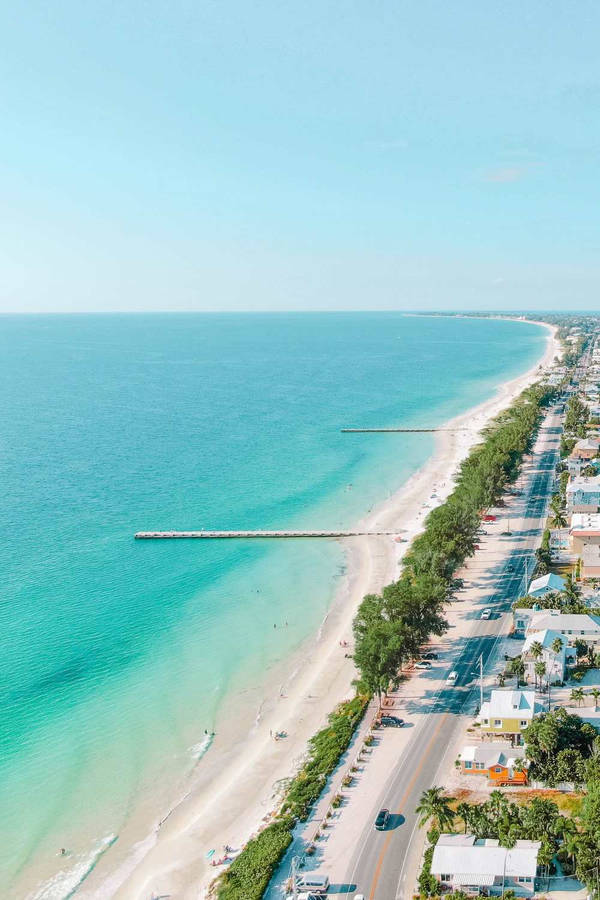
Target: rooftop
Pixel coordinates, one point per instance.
(509, 704)
(554, 620)
(550, 582)
(585, 523)
(586, 484)
(466, 855)
(546, 638)
(492, 753)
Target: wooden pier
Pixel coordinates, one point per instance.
(396, 430)
(211, 535)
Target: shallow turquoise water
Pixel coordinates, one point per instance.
(116, 654)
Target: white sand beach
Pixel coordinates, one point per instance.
(241, 776)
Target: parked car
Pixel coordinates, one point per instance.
(452, 677)
(313, 883)
(392, 721)
(486, 613)
(489, 518)
(430, 655)
(423, 664)
(382, 819)
(510, 568)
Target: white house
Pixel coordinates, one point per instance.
(556, 662)
(465, 862)
(545, 584)
(571, 625)
(583, 494)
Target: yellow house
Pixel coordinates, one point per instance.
(507, 714)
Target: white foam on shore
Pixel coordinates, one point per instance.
(198, 750)
(111, 885)
(64, 884)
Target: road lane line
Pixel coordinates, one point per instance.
(409, 788)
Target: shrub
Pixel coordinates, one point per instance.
(249, 874)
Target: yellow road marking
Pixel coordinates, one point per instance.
(388, 839)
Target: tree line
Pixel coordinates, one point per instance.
(391, 627)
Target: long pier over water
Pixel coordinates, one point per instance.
(208, 535)
(396, 430)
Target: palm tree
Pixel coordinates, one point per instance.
(463, 810)
(570, 589)
(595, 693)
(577, 695)
(559, 519)
(434, 805)
(571, 844)
(497, 804)
(557, 645)
(540, 671)
(536, 649)
(518, 668)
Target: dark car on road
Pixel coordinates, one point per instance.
(430, 655)
(392, 721)
(382, 819)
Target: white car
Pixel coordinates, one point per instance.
(487, 613)
(452, 677)
(423, 664)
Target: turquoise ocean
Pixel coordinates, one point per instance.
(117, 654)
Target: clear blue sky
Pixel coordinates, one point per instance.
(299, 155)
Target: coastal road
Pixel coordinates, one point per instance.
(381, 866)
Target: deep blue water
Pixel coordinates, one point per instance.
(113, 424)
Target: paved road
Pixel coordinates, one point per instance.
(380, 863)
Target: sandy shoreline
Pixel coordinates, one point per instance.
(241, 775)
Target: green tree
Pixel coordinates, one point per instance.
(434, 805)
(595, 693)
(577, 695)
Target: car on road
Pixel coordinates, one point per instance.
(486, 613)
(383, 817)
(489, 518)
(452, 677)
(429, 655)
(392, 721)
(510, 568)
(423, 664)
(359, 897)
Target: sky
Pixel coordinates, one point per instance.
(281, 155)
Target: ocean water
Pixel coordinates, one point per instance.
(116, 655)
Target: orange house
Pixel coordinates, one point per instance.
(497, 760)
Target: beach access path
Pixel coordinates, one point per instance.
(239, 781)
(404, 762)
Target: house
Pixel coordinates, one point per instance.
(585, 542)
(575, 465)
(545, 584)
(583, 494)
(586, 448)
(573, 626)
(467, 863)
(556, 662)
(494, 759)
(590, 561)
(507, 714)
(559, 545)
